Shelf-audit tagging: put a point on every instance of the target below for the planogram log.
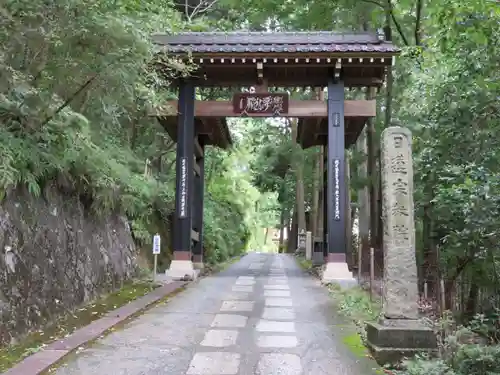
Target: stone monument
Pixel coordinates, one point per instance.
(399, 333)
(309, 245)
(301, 241)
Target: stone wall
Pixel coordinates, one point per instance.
(55, 257)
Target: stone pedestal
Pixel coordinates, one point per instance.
(399, 333)
(338, 273)
(390, 340)
(182, 270)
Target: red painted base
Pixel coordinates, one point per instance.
(182, 255)
(336, 258)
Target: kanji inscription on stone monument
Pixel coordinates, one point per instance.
(400, 271)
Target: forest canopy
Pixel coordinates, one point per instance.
(77, 87)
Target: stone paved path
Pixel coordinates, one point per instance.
(262, 316)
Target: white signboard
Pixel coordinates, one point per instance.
(156, 244)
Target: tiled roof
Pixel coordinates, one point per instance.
(284, 42)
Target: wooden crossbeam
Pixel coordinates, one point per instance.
(297, 108)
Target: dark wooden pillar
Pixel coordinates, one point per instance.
(199, 188)
(325, 207)
(184, 172)
(336, 191)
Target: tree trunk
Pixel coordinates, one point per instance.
(379, 238)
(301, 214)
(315, 194)
(317, 208)
(349, 217)
(373, 181)
(282, 230)
(429, 266)
(321, 195)
(364, 204)
(471, 304)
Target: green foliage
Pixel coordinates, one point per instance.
(456, 156)
(77, 87)
(461, 352)
(74, 80)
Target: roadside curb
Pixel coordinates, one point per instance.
(51, 354)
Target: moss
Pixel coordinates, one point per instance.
(355, 344)
(33, 342)
(304, 263)
(121, 325)
(355, 304)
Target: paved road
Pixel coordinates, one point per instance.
(262, 316)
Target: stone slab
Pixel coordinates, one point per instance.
(242, 288)
(278, 302)
(276, 293)
(220, 338)
(276, 287)
(245, 282)
(215, 363)
(278, 313)
(275, 326)
(273, 341)
(232, 306)
(238, 296)
(229, 321)
(279, 364)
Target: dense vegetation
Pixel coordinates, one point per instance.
(76, 93)
(444, 87)
(77, 87)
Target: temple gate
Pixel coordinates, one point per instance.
(271, 62)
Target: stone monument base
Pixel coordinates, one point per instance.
(182, 270)
(338, 273)
(391, 340)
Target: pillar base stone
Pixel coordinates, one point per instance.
(182, 270)
(338, 273)
(392, 340)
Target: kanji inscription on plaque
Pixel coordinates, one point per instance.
(260, 103)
